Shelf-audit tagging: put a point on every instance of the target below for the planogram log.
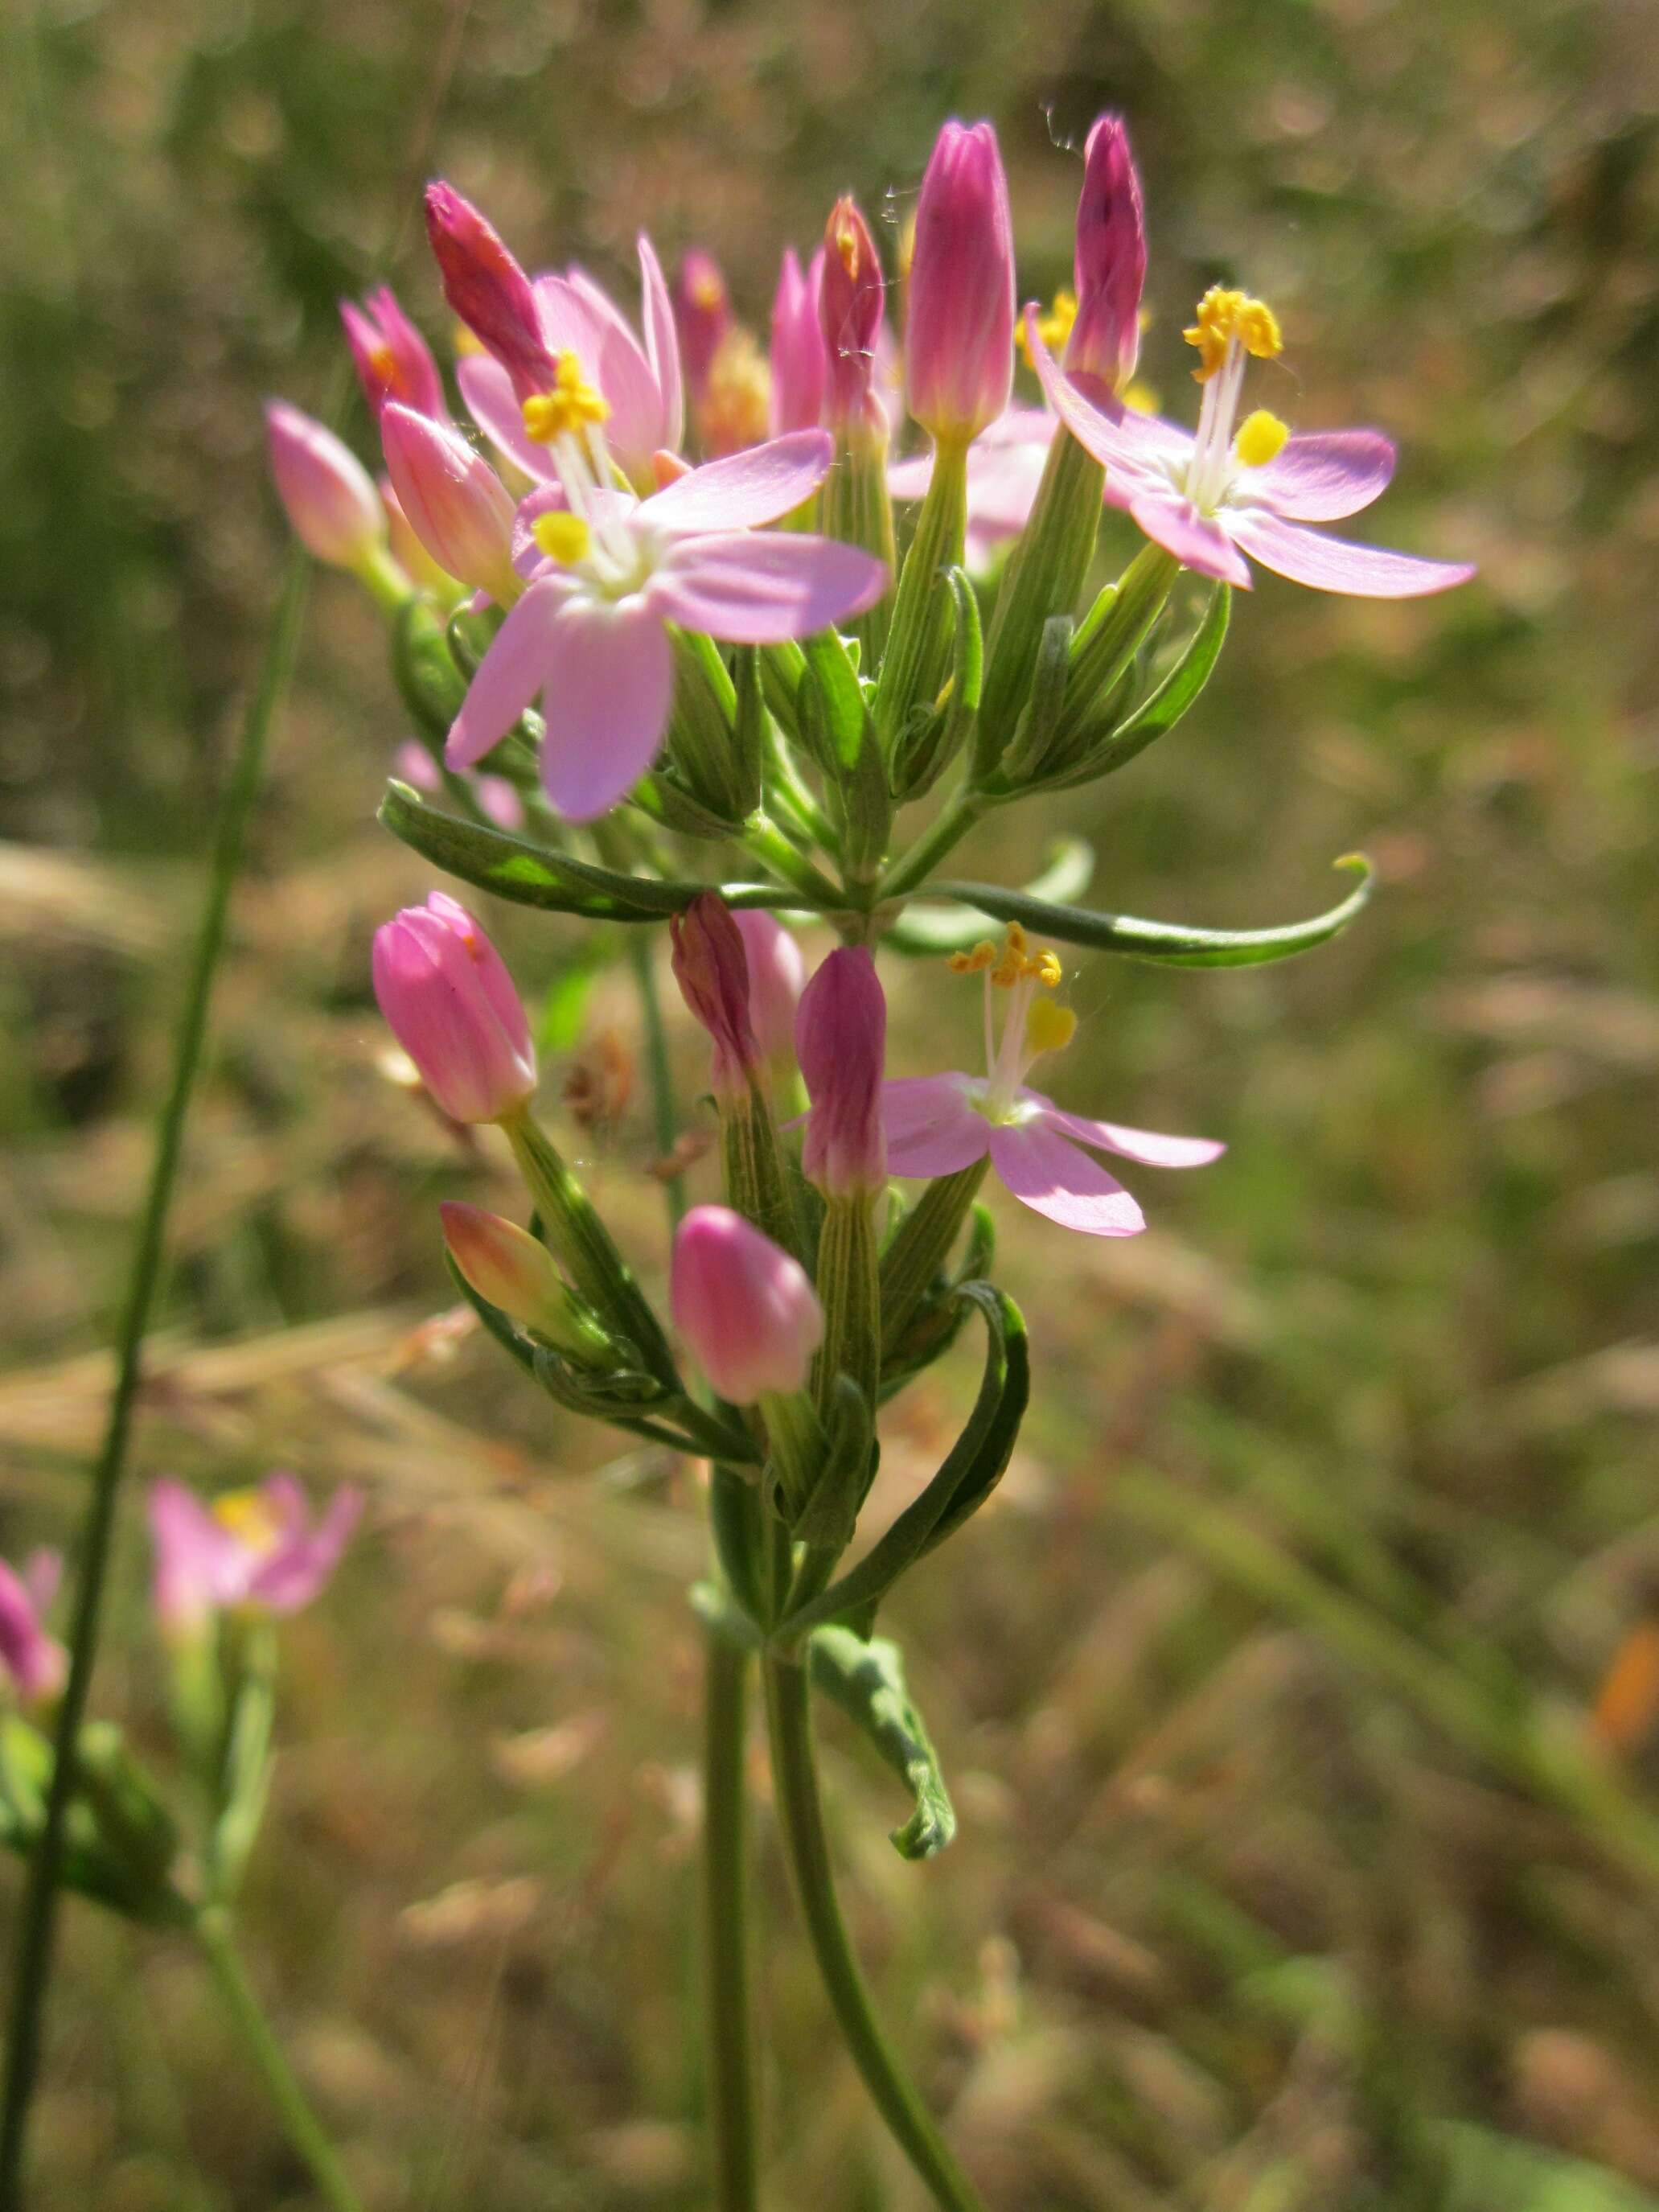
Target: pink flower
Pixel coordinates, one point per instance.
(605, 576)
(446, 992)
(258, 1549)
(327, 493)
(959, 320)
(393, 361)
(801, 364)
(744, 1305)
(488, 289)
(36, 1663)
(702, 314)
(455, 503)
(777, 970)
(938, 1125)
(711, 966)
(1213, 498)
(841, 1041)
(851, 291)
(1110, 264)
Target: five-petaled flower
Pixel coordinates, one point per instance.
(256, 1549)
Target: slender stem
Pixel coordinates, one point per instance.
(663, 1117)
(763, 838)
(911, 870)
(303, 2128)
(795, 1779)
(34, 1955)
(728, 2034)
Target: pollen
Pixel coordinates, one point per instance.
(736, 398)
(1049, 1027)
(1015, 964)
(1260, 439)
(847, 245)
(1054, 328)
(983, 955)
(562, 535)
(568, 409)
(247, 1515)
(1226, 317)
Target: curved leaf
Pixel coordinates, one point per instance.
(927, 928)
(1163, 708)
(866, 1681)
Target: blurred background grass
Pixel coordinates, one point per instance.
(1303, 1862)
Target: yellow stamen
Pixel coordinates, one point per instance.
(564, 537)
(1141, 397)
(568, 409)
(1049, 1027)
(707, 292)
(248, 1516)
(907, 245)
(1054, 328)
(983, 955)
(1012, 964)
(847, 245)
(1223, 315)
(466, 341)
(1260, 439)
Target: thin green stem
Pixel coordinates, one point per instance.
(911, 871)
(795, 1774)
(34, 1955)
(767, 842)
(728, 2033)
(303, 2128)
(664, 1120)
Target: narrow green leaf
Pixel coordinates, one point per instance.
(1165, 707)
(926, 928)
(866, 1681)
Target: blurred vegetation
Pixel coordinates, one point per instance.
(1334, 1546)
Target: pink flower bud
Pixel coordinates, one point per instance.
(1111, 259)
(800, 366)
(712, 969)
(702, 315)
(850, 295)
(507, 1267)
(457, 505)
(959, 317)
(745, 1307)
(488, 289)
(392, 359)
(446, 993)
(35, 1661)
(411, 556)
(777, 970)
(841, 1039)
(329, 501)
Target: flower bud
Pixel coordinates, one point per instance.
(35, 1663)
(712, 969)
(510, 1268)
(393, 361)
(488, 289)
(850, 293)
(841, 1037)
(1111, 259)
(959, 320)
(777, 970)
(702, 315)
(325, 490)
(800, 366)
(412, 558)
(446, 993)
(745, 1307)
(456, 504)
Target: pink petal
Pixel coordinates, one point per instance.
(493, 406)
(1147, 1145)
(1337, 564)
(747, 488)
(609, 682)
(1321, 475)
(755, 589)
(932, 1128)
(1198, 541)
(510, 674)
(1095, 417)
(293, 1574)
(662, 346)
(614, 361)
(1052, 1176)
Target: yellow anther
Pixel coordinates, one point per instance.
(1260, 439)
(466, 341)
(984, 955)
(568, 409)
(907, 244)
(563, 537)
(1013, 964)
(1224, 316)
(1141, 397)
(248, 1516)
(1049, 1027)
(847, 245)
(1054, 328)
(707, 292)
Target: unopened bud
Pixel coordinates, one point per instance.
(488, 289)
(745, 1307)
(446, 992)
(325, 490)
(959, 318)
(510, 1268)
(456, 504)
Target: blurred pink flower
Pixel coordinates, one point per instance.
(328, 497)
(35, 1661)
(801, 363)
(702, 314)
(258, 1549)
(393, 360)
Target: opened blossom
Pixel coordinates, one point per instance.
(257, 1550)
(33, 1661)
(605, 574)
(938, 1125)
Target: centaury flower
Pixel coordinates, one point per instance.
(258, 1549)
(938, 1125)
(34, 1663)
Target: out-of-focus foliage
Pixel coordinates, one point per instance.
(1340, 1481)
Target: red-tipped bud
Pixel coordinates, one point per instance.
(446, 992)
(456, 504)
(393, 361)
(488, 289)
(712, 969)
(702, 315)
(800, 365)
(777, 970)
(1111, 259)
(850, 295)
(959, 317)
(510, 1268)
(841, 1041)
(325, 490)
(745, 1307)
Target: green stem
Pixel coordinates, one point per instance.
(304, 2131)
(795, 1774)
(768, 843)
(34, 1955)
(911, 871)
(664, 1128)
(728, 2031)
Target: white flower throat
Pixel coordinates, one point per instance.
(1230, 327)
(595, 534)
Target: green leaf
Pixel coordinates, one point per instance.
(1043, 705)
(866, 1681)
(1165, 707)
(1169, 942)
(831, 1509)
(926, 928)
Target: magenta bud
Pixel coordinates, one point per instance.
(745, 1307)
(488, 289)
(777, 970)
(325, 490)
(35, 1663)
(959, 314)
(800, 367)
(1111, 259)
(446, 992)
(411, 556)
(702, 315)
(712, 969)
(841, 1041)
(456, 504)
(850, 296)
(393, 361)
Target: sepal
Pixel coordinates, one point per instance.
(827, 1520)
(935, 734)
(1036, 730)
